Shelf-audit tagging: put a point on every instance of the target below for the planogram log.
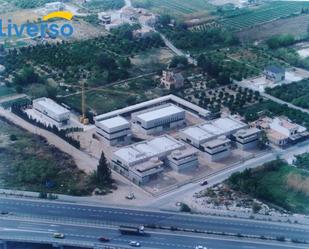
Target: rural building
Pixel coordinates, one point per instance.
(274, 73)
(114, 131)
(54, 6)
(105, 18)
(281, 131)
(181, 160)
(144, 161)
(172, 80)
(217, 149)
(294, 132)
(200, 134)
(159, 118)
(52, 110)
(247, 138)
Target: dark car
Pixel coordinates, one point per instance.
(103, 239)
(203, 183)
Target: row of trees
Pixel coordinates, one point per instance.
(19, 110)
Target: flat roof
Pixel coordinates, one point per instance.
(216, 142)
(51, 105)
(114, 122)
(228, 124)
(167, 98)
(163, 112)
(197, 133)
(148, 149)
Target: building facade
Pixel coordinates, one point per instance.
(181, 160)
(172, 80)
(159, 118)
(52, 110)
(274, 73)
(248, 138)
(114, 131)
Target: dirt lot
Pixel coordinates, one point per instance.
(296, 26)
(20, 16)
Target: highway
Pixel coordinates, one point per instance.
(95, 215)
(87, 236)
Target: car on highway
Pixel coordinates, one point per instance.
(203, 183)
(58, 235)
(134, 243)
(103, 239)
(200, 247)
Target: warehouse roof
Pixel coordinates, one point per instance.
(114, 122)
(145, 150)
(228, 124)
(51, 105)
(163, 112)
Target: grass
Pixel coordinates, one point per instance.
(29, 163)
(277, 184)
(265, 13)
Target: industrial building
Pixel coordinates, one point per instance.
(52, 110)
(181, 160)
(114, 131)
(168, 99)
(217, 149)
(200, 134)
(144, 161)
(159, 118)
(247, 138)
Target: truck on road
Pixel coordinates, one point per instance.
(132, 230)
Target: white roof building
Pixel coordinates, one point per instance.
(51, 109)
(200, 134)
(114, 131)
(143, 151)
(159, 118)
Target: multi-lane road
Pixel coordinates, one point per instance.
(85, 223)
(87, 236)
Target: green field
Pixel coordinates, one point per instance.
(277, 183)
(265, 13)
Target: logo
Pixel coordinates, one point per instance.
(39, 29)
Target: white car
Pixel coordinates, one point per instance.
(200, 247)
(134, 243)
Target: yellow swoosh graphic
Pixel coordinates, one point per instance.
(59, 14)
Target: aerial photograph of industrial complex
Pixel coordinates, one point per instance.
(155, 124)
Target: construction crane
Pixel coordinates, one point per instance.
(83, 119)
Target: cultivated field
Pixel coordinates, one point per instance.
(180, 8)
(296, 26)
(263, 14)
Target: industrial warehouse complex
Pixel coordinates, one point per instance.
(168, 138)
(169, 134)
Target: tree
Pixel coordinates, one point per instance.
(104, 174)
(179, 61)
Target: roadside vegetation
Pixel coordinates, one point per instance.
(296, 93)
(275, 182)
(29, 163)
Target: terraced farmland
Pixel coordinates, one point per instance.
(266, 13)
(177, 7)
